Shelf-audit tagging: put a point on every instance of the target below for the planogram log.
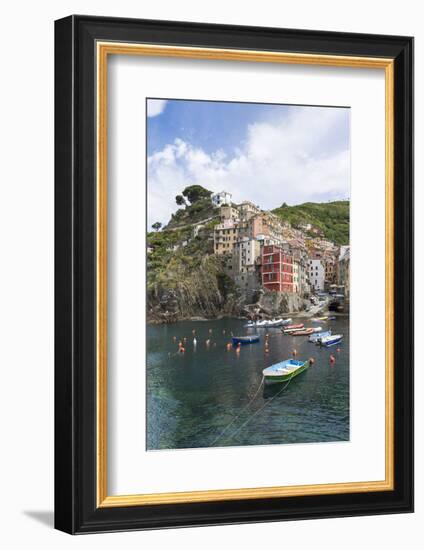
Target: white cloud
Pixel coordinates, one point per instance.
(155, 107)
(293, 160)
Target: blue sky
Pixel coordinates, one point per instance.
(269, 154)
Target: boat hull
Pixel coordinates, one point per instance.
(278, 378)
(330, 341)
(329, 344)
(306, 332)
(245, 341)
(292, 328)
(269, 323)
(315, 338)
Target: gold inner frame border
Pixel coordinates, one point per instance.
(103, 50)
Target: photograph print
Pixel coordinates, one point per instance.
(248, 284)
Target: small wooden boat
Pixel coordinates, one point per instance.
(331, 340)
(284, 371)
(293, 331)
(315, 338)
(290, 328)
(319, 319)
(243, 340)
(303, 332)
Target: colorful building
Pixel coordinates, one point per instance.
(246, 253)
(316, 274)
(263, 224)
(228, 212)
(225, 235)
(344, 271)
(247, 209)
(330, 264)
(277, 269)
(296, 277)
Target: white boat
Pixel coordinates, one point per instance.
(331, 340)
(268, 323)
(258, 323)
(316, 329)
(315, 338)
(275, 323)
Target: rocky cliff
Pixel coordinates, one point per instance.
(205, 292)
(276, 303)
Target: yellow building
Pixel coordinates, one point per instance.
(225, 236)
(228, 212)
(247, 209)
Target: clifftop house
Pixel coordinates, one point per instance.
(223, 197)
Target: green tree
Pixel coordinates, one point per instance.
(156, 226)
(180, 200)
(195, 193)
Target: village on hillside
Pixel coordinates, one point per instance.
(272, 254)
(262, 253)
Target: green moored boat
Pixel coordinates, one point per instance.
(284, 371)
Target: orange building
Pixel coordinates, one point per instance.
(277, 269)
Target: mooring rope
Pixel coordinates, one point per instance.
(261, 408)
(239, 414)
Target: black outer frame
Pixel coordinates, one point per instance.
(75, 274)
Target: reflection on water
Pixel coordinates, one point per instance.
(193, 396)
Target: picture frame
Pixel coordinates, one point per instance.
(83, 45)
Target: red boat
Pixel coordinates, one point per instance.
(304, 332)
(292, 328)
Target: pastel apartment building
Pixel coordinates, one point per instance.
(330, 264)
(277, 269)
(245, 259)
(316, 274)
(228, 212)
(344, 270)
(263, 223)
(225, 236)
(247, 209)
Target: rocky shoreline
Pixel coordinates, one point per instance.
(171, 307)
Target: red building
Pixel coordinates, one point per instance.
(277, 269)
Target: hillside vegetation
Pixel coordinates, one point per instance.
(197, 207)
(331, 217)
(184, 276)
(192, 214)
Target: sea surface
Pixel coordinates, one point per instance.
(208, 396)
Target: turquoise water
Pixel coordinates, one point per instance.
(192, 397)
